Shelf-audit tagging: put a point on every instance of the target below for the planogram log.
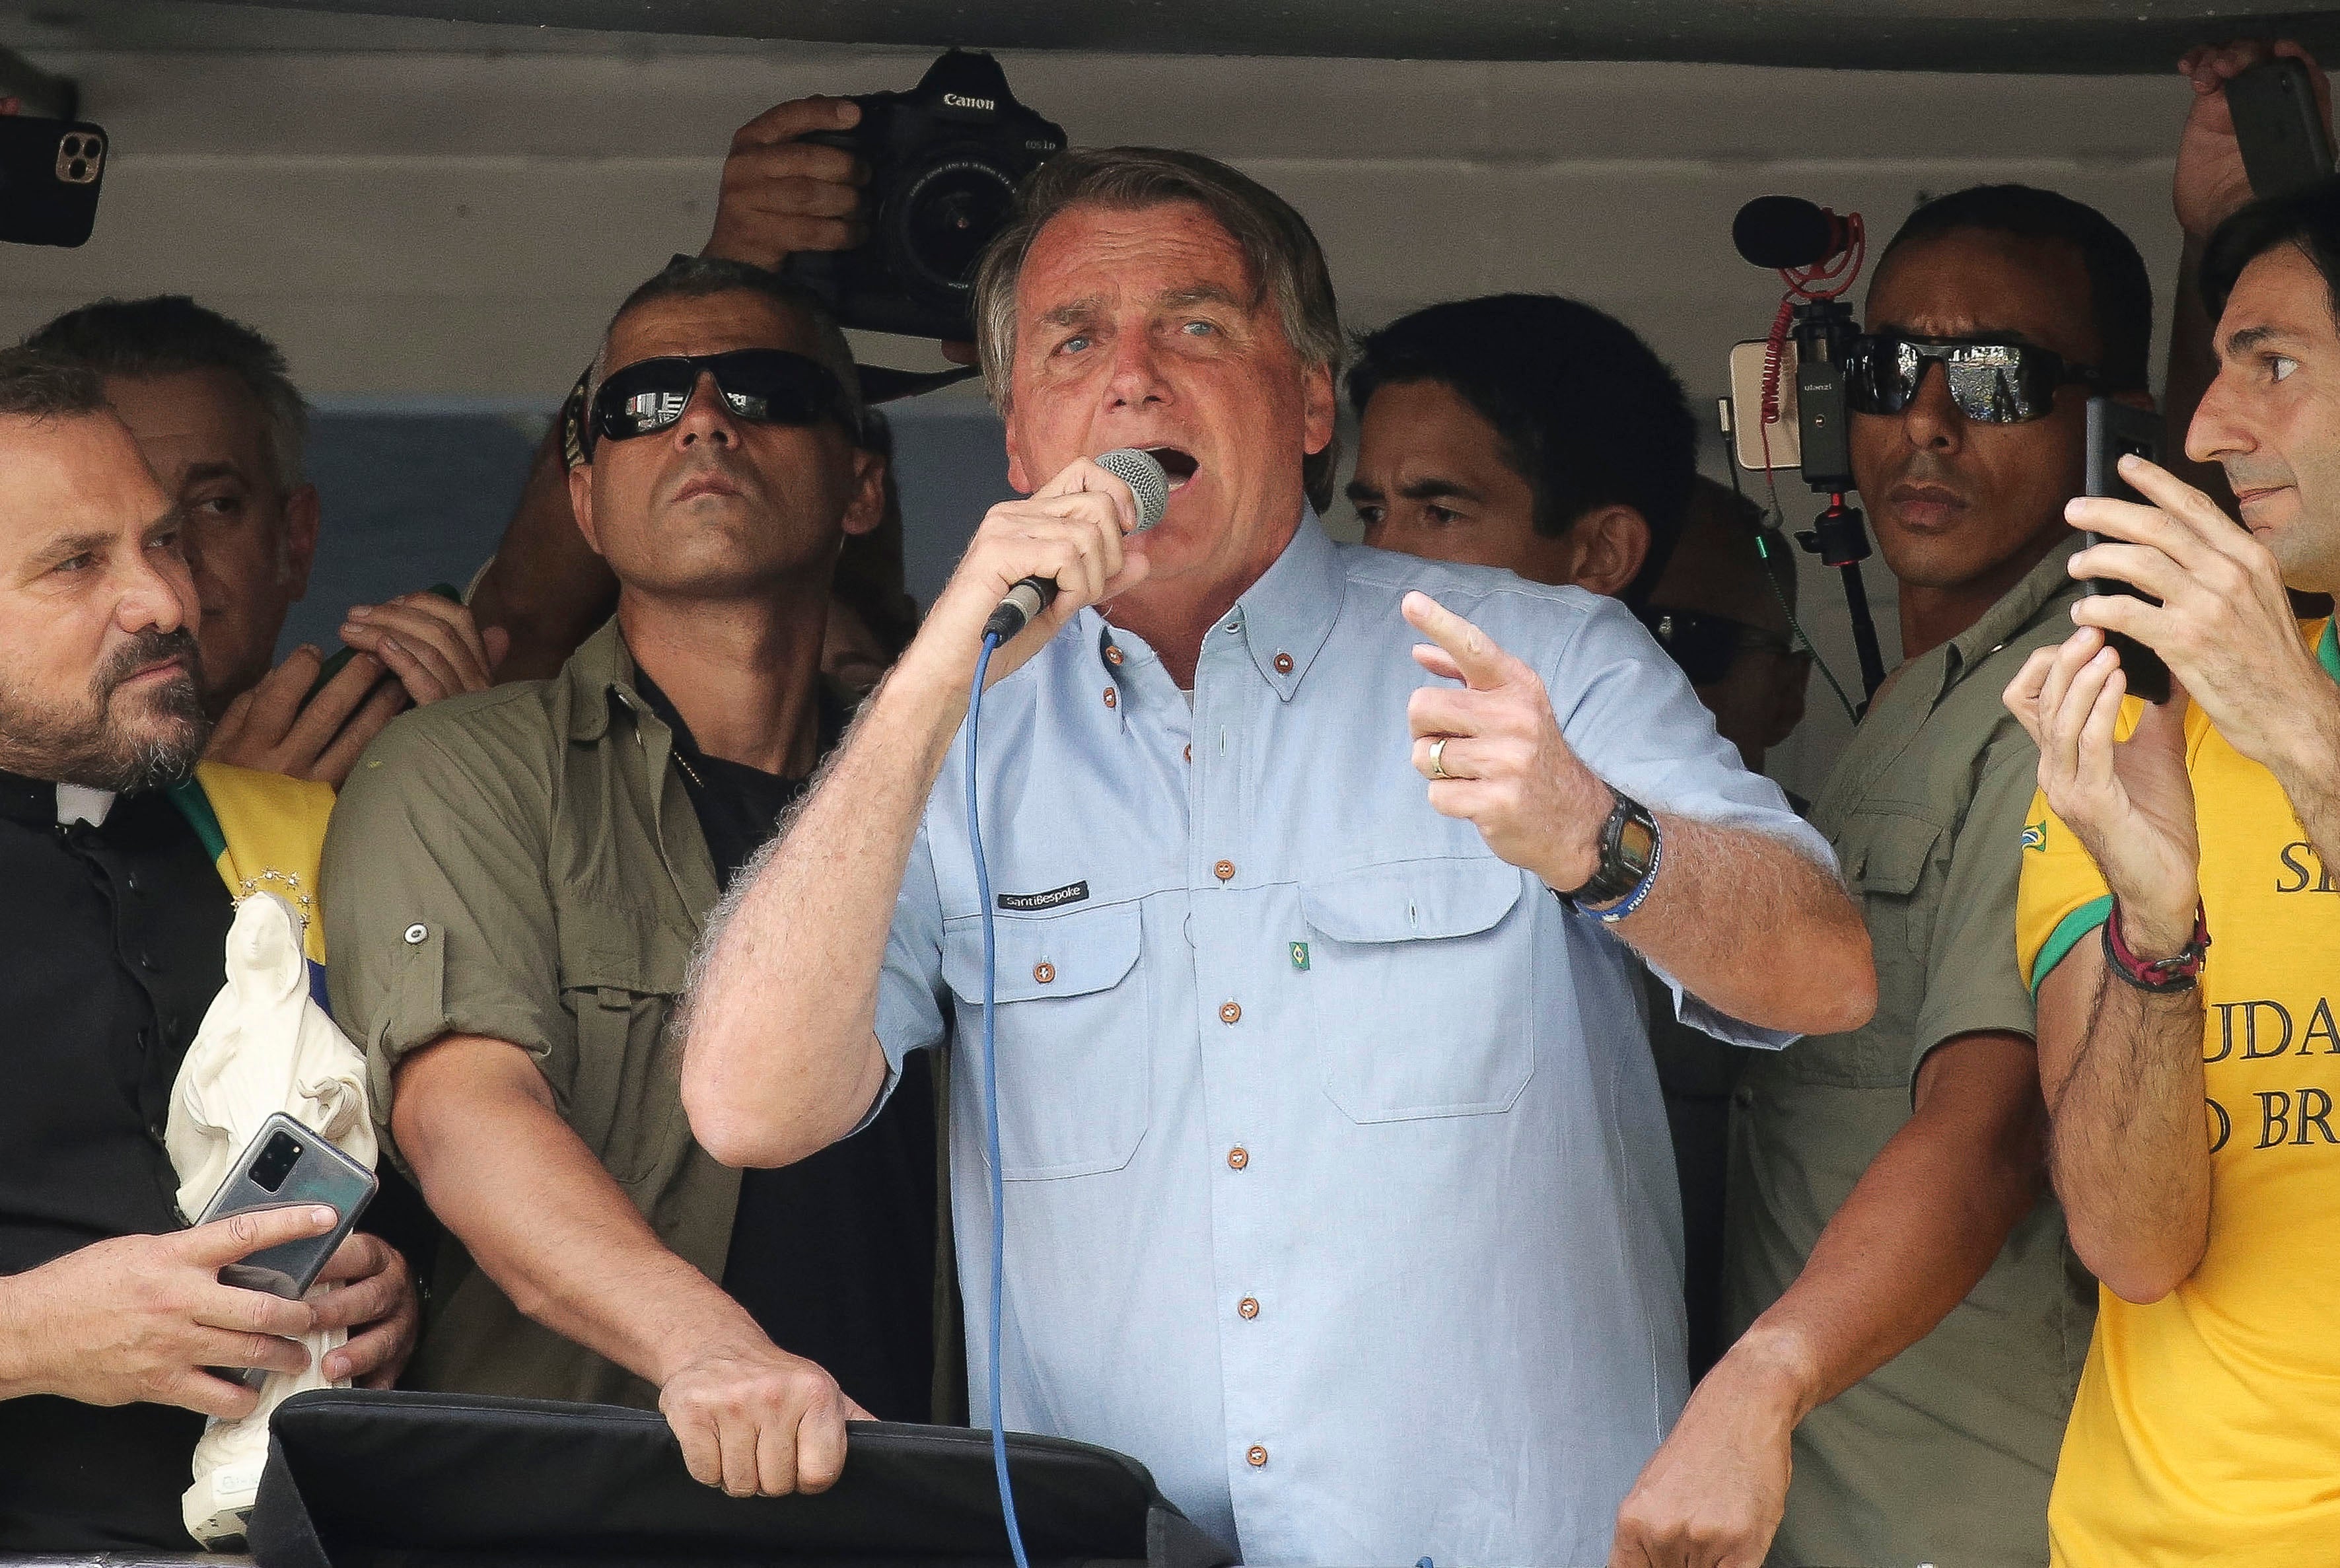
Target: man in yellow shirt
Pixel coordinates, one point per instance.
(2195, 1104)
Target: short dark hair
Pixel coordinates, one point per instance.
(2120, 291)
(38, 386)
(703, 277)
(168, 334)
(2308, 218)
(1588, 415)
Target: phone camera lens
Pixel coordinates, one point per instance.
(79, 169)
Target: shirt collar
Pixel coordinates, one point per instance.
(600, 667)
(1283, 618)
(39, 803)
(2046, 584)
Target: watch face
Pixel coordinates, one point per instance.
(1634, 841)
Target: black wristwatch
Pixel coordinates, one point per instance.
(1629, 854)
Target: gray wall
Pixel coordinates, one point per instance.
(447, 224)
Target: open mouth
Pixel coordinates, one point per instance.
(1179, 465)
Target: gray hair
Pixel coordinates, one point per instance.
(169, 334)
(1287, 264)
(703, 277)
(37, 386)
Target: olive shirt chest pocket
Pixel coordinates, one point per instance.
(1422, 980)
(1070, 1030)
(621, 977)
(1886, 857)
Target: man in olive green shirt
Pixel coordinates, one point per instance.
(1909, 1321)
(515, 880)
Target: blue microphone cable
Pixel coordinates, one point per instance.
(991, 1103)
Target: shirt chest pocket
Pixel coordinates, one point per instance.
(1070, 1026)
(1886, 855)
(1422, 982)
(622, 976)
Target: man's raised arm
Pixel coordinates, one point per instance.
(782, 1057)
(1720, 897)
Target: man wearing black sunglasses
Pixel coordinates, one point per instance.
(519, 878)
(1910, 1320)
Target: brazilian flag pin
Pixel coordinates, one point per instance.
(1300, 956)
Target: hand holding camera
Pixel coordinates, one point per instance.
(782, 194)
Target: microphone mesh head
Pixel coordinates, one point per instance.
(1147, 481)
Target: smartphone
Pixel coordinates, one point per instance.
(2116, 430)
(50, 171)
(2285, 142)
(339, 661)
(287, 1163)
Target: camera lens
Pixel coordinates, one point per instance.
(78, 169)
(949, 216)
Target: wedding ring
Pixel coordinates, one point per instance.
(1438, 757)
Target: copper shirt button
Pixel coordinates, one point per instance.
(1111, 699)
(1284, 664)
(1230, 1013)
(1238, 1157)
(1224, 870)
(1247, 1308)
(1044, 972)
(1256, 1455)
(1113, 655)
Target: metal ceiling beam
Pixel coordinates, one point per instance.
(2085, 36)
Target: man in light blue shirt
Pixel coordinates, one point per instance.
(1338, 1188)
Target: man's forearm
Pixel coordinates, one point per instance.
(1920, 1228)
(782, 1059)
(542, 1217)
(2128, 1138)
(1730, 902)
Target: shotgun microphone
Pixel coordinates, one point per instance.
(1148, 481)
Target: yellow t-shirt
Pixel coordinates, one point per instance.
(2207, 1425)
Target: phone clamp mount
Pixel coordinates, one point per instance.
(1823, 329)
(1817, 254)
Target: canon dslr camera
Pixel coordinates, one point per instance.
(945, 159)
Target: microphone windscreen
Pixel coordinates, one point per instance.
(1786, 232)
(1148, 480)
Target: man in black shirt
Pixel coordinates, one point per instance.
(112, 937)
(519, 876)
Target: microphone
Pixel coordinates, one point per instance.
(1788, 231)
(1148, 481)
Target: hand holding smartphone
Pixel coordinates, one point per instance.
(2116, 430)
(287, 1165)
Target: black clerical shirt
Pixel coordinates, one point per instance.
(112, 939)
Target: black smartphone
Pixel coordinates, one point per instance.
(339, 661)
(2116, 430)
(287, 1164)
(2285, 142)
(50, 171)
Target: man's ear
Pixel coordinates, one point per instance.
(303, 514)
(581, 505)
(866, 510)
(1320, 408)
(1019, 477)
(1609, 544)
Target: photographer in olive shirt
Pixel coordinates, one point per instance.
(1910, 1320)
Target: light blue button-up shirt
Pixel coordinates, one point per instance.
(1339, 1190)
